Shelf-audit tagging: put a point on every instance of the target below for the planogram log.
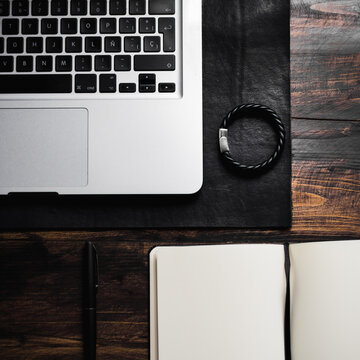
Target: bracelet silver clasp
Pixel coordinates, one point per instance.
(223, 141)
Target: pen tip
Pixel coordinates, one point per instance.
(88, 245)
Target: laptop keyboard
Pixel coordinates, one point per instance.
(88, 47)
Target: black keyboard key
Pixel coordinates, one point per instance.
(122, 63)
(103, 63)
(161, 7)
(1, 45)
(147, 79)
(54, 45)
(108, 26)
(147, 25)
(24, 63)
(88, 26)
(34, 45)
(132, 44)
(93, 44)
(44, 63)
(35, 84)
(73, 44)
(147, 83)
(20, 8)
(154, 62)
(4, 8)
(127, 25)
(68, 26)
(49, 26)
(167, 27)
(30, 26)
(78, 7)
(83, 63)
(137, 7)
(167, 87)
(117, 7)
(85, 83)
(113, 44)
(98, 7)
(40, 8)
(6, 64)
(127, 88)
(59, 7)
(152, 43)
(107, 83)
(15, 45)
(63, 63)
(147, 88)
(10, 26)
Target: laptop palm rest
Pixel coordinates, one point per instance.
(43, 148)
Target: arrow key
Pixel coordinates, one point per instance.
(127, 88)
(167, 87)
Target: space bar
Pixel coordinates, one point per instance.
(35, 84)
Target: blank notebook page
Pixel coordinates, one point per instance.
(218, 302)
(325, 301)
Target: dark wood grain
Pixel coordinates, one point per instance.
(326, 177)
(40, 274)
(325, 60)
(44, 320)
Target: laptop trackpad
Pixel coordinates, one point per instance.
(43, 147)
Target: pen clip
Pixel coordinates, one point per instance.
(96, 267)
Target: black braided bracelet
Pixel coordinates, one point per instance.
(251, 110)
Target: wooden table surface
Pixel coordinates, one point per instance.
(40, 272)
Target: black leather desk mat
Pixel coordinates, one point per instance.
(246, 59)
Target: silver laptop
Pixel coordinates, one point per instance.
(101, 97)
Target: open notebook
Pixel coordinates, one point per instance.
(228, 302)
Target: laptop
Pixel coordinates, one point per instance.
(101, 97)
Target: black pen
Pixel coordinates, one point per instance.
(90, 280)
